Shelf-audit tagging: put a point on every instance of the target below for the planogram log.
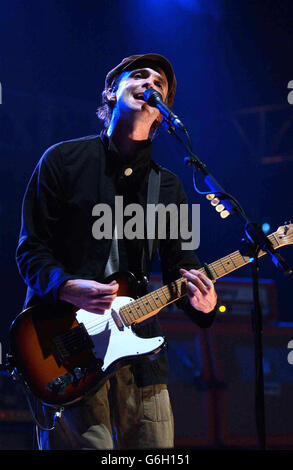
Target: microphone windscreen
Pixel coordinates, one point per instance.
(152, 97)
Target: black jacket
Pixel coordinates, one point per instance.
(56, 241)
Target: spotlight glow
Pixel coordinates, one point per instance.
(266, 227)
(222, 308)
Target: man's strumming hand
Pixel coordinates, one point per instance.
(89, 295)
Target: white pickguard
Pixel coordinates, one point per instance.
(112, 343)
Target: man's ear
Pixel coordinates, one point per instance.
(111, 95)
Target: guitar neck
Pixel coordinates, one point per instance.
(150, 304)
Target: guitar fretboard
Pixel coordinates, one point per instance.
(150, 304)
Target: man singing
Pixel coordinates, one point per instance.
(64, 265)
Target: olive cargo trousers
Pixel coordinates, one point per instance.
(120, 415)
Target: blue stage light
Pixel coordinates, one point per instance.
(194, 4)
(266, 227)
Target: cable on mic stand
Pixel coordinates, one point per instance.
(253, 241)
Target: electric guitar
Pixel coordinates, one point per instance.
(63, 357)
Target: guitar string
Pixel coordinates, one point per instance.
(142, 305)
(149, 297)
(236, 257)
(99, 327)
(93, 324)
(71, 341)
(220, 266)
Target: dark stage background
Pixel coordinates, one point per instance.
(233, 62)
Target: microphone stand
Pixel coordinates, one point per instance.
(253, 241)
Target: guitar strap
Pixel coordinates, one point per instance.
(154, 184)
(112, 265)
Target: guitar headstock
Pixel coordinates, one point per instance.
(285, 234)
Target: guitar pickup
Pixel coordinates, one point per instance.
(71, 343)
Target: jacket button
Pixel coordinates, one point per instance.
(128, 171)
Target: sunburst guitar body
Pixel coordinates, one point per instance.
(63, 356)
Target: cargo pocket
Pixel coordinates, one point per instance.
(156, 403)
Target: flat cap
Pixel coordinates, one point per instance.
(147, 60)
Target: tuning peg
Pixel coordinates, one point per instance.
(286, 227)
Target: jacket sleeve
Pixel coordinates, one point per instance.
(173, 257)
(41, 210)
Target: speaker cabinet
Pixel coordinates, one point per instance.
(16, 437)
(236, 294)
(232, 357)
(16, 427)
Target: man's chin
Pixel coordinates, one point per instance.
(141, 107)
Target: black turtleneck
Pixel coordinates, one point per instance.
(139, 162)
(130, 175)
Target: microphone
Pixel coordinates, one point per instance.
(154, 99)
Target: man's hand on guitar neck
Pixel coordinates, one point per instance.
(89, 295)
(200, 290)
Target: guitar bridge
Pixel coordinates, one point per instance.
(71, 343)
(117, 320)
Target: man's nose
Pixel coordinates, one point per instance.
(148, 84)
